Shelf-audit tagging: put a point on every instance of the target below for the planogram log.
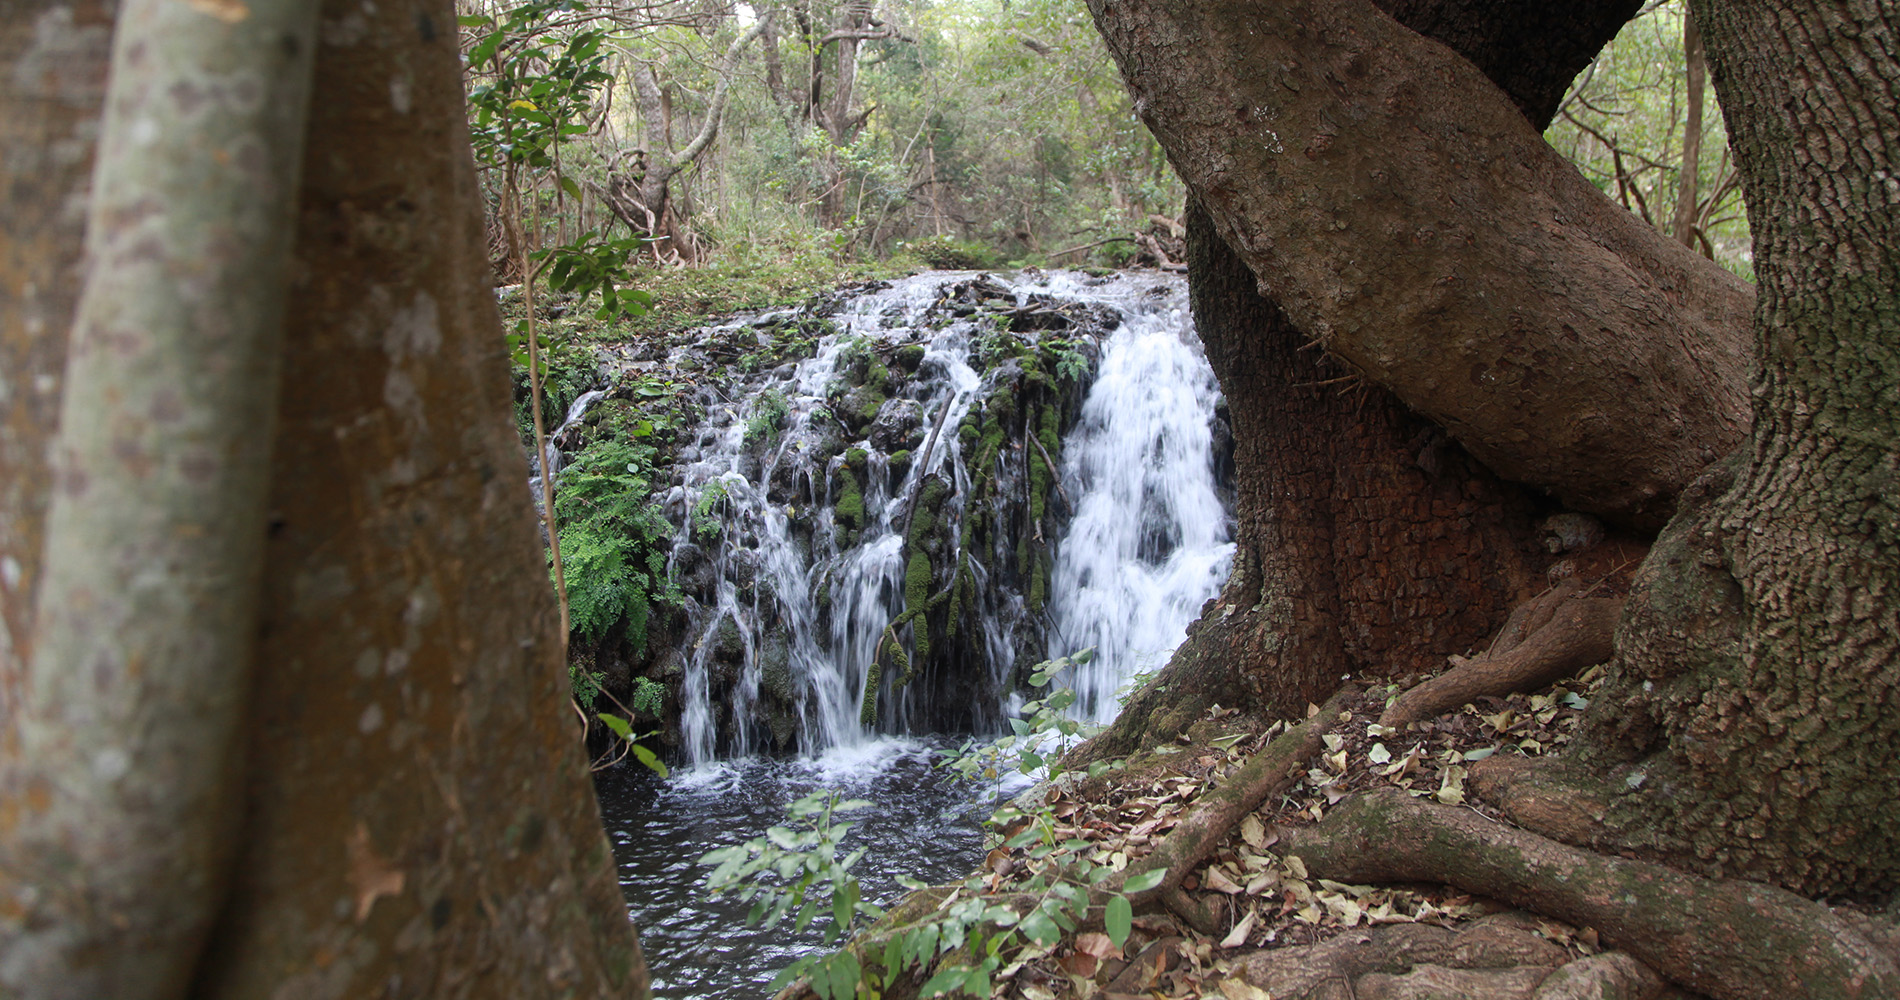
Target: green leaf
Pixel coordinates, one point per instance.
(568, 185)
(945, 981)
(474, 20)
(1145, 881)
(844, 903)
(1040, 928)
(619, 725)
(1119, 918)
(843, 971)
(652, 761)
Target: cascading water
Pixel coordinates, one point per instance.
(967, 475)
(799, 509)
(1150, 539)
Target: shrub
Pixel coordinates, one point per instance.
(951, 254)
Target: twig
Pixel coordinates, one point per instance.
(1054, 475)
(1091, 246)
(923, 467)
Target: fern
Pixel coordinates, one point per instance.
(613, 541)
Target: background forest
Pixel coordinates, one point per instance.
(977, 133)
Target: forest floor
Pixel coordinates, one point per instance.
(1270, 929)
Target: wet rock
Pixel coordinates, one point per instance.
(694, 572)
(858, 407)
(667, 666)
(728, 641)
(899, 425)
(775, 667)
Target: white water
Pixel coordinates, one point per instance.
(1150, 541)
(1146, 547)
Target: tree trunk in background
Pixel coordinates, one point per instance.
(1756, 692)
(1403, 212)
(55, 56)
(418, 817)
(1367, 541)
(1689, 180)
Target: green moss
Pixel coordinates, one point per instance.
(923, 521)
(1038, 584)
(867, 710)
(916, 596)
(855, 459)
(910, 356)
(988, 446)
(865, 402)
(849, 510)
(899, 465)
(1042, 474)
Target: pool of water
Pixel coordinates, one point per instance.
(924, 823)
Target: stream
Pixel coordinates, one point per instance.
(1043, 451)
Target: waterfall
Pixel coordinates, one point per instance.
(978, 471)
(1150, 539)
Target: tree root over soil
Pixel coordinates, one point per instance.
(1547, 639)
(1730, 940)
(1202, 828)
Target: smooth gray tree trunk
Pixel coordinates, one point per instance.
(117, 788)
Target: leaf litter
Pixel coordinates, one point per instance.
(1261, 898)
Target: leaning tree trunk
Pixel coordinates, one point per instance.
(1407, 217)
(1756, 694)
(1368, 543)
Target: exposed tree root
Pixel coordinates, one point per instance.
(1547, 639)
(1488, 959)
(1201, 830)
(1730, 940)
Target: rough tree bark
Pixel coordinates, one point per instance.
(1368, 543)
(1754, 701)
(417, 819)
(1755, 686)
(1404, 214)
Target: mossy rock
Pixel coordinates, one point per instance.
(858, 407)
(909, 357)
(775, 667)
(728, 642)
